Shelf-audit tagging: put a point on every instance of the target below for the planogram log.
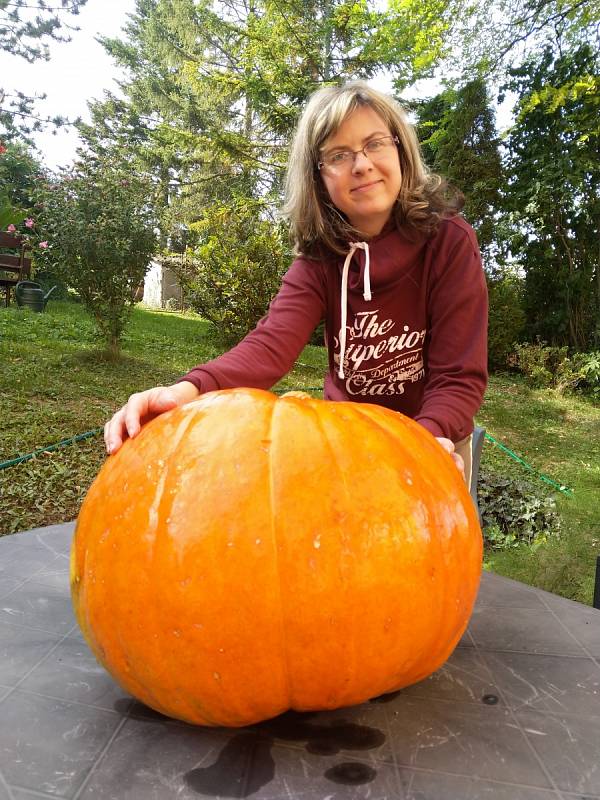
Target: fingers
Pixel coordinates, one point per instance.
(113, 432)
(139, 409)
(136, 408)
(448, 446)
(458, 460)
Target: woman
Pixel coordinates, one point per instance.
(384, 257)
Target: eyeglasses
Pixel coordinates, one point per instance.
(374, 150)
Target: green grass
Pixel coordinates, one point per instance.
(57, 383)
(559, 435)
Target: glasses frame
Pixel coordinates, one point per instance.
(354, 153)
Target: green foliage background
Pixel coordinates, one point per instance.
(100, 232)
(197, 146)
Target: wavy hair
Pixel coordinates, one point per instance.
(316, 225)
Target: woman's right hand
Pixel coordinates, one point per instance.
(141, 408)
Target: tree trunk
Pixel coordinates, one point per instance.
(114, 347)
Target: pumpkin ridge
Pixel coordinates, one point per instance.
(336, 470)
(357, 411)
(275, 406)
(151, 611)
(439, 648)
(387, 426)
(189, 419)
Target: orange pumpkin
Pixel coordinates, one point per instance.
(247, 554)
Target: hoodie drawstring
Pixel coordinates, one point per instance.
(354, 246)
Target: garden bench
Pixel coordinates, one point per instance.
(15, 266)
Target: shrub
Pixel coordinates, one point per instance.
(173, 304)
(233, 272)
(98, 237)
(318, 336)
(545, 366)
(514, 511)
(506, 319)
(587, 368)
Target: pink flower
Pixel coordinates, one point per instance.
(2, 149)
(29, 223)
(11, 228)
(44, 245)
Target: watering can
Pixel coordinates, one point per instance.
(31, 295)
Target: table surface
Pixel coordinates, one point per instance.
(513, 715)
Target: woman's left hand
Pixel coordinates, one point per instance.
(448, 446)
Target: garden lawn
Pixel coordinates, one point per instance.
(559, 435)
(57, 384)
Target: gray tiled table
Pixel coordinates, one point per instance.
(513, 715)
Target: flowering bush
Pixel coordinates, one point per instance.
(18, 170)
(95, 231)
(9, 214)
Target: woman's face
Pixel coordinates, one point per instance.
(364, 189)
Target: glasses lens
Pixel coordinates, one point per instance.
(376, 146)
(375, 149)
(340, 159)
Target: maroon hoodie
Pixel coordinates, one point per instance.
(415, 328)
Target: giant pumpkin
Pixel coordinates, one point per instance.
(247, 554)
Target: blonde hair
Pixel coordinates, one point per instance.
(315, 223)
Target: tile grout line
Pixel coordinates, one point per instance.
(477, 778)
(588, 653)
(99, 758)
(513, 715)
(66, 700)
(34, 628)
(40, 540)
(37, 663)
(523, 706)
(24, 581)
(403, 795)
(575, 657)
(41, 569)
(553, 790)
(4, 785)
(33, 792)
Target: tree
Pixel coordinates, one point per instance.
(497, 33)
(235, 268)
(99, 233)
(18, 172)
(214, 92)
(553, 194)
(458, 135)
(25, 33)
(220, 85)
